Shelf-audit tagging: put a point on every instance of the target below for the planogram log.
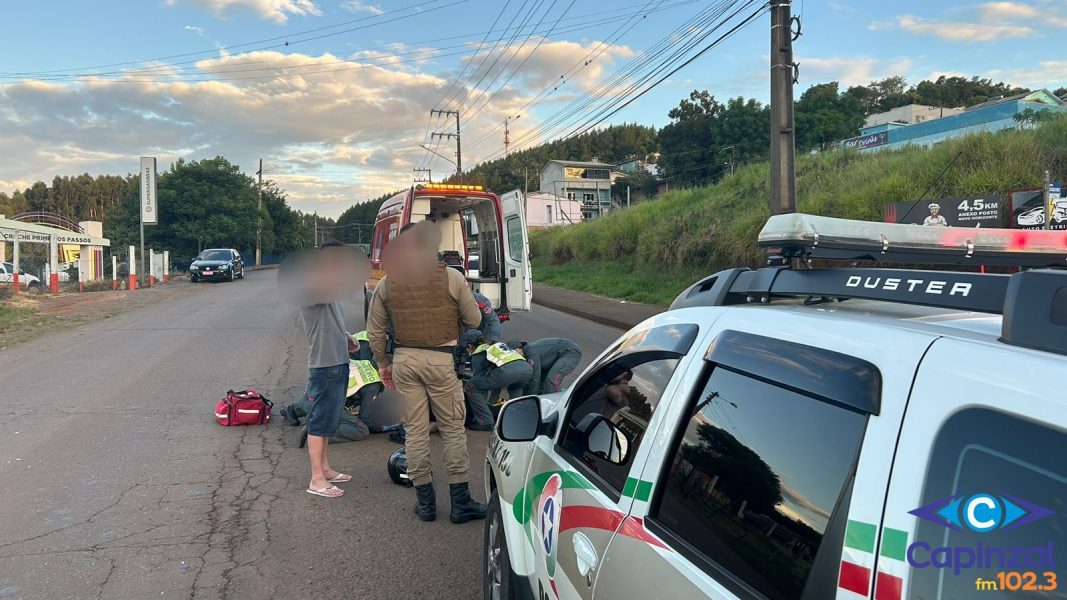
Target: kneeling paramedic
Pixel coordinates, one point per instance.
(425, 304)
(495, 366)
(552, 360)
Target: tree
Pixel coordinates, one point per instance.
(824, 117)
(356, 224)
(743, 475)
(1061, 93)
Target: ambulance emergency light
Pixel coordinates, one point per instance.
(448, 187)
(808, 236)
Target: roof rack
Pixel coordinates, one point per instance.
(807, 236)
(1034, 303)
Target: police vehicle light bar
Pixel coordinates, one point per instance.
(809, 236)
(449, 187)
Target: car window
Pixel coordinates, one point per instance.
(756, 472)
(981, 452)
(514, 225)
(216, 255)
(626, 391)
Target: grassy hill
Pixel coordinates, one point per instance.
(652, 251)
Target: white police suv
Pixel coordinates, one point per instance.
(798, 432)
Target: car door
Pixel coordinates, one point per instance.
(579, 486)
(519, 290)
(765, 462)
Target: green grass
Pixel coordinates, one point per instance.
(616, 279)
(654, 250)
(10, 315)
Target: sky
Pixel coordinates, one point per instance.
(335, 95)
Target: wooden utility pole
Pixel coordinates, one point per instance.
(783, 138)
(259, 217)
(455, 136)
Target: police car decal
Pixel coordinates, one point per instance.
(548, 520)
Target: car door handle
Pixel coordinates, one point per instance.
(586, 555)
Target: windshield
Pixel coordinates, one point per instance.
(215, 255)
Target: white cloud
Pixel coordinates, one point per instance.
(851, 70)
(194, 29)
(986, 22)
(275, 10)
(359, 7)
(841, 7)
(331, 132)
(1047, 74)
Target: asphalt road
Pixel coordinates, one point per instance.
(116, 482)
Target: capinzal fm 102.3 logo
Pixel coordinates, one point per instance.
(981, 513)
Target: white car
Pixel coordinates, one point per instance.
(1034, 216)
(803, 433)
(26, 281)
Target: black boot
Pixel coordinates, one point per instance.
(426, 509)
(464, 508)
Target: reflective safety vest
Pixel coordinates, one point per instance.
(499, 353)
(361, 373)
(362, 336)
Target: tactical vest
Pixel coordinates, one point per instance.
(499, 354)
(362, 336)
(424, 314)
(361, 373)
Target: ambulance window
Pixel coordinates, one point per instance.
(756, 474)
(514, 225)
(981, 451)
(626, 391)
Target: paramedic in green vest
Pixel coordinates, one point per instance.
(426, 305)
(495, 366)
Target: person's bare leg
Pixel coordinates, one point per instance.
(317, 453)
(327, 471)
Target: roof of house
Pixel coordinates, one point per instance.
(1043, 96)
(579, 163)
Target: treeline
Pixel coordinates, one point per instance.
(202, 204)
(707, 138)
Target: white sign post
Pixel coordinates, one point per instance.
(166, 266)
(114, 272)
(132, 264)
(149, 206)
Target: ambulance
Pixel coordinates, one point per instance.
(814, 433)
(474, 224)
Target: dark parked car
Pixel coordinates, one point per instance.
(217, 264)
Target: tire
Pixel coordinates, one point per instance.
(499, 582)
(232, 277)
(194, 278)
(34, 288)
(241, 275)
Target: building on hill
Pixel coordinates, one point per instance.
(547, 210)
(993, 115)
(587, 182)
(910, 114)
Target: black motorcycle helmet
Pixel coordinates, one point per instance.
(398, 467)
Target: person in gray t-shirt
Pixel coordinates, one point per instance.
(317, 284)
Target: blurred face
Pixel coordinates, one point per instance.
(934, 211)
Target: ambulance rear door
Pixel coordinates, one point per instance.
(516, 251)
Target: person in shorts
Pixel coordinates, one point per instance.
(328, 347)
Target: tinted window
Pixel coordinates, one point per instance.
(626, 391)
(216, 255)
(980, 451)
(755, 477)
(515, 238)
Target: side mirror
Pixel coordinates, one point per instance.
(520, 421)
(604, 439)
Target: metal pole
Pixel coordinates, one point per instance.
(141, 270)
(133, 268)
(114, 272)
(627, 195)
(15, 264)
(459, 151)
(783, 141)
(1048, 201)
(259, 217)
(316, 229)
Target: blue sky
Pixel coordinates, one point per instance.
(339, 119)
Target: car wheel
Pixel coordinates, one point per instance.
(241, 275)
(194, 278)
(34, 288)
(231, 275)
(499, 581)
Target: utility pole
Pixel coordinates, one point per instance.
(783, 137)
(316, 229)
(455, 136)
(259, 217)
(419, 179)
(507, 136)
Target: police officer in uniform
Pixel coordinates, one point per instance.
(426, 305)
(490, 325)
(552, 360)
(496, 366)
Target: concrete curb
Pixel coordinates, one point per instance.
(598, 309)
